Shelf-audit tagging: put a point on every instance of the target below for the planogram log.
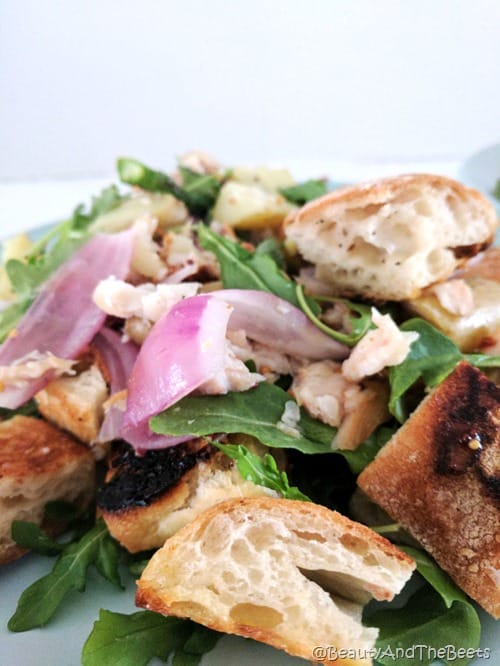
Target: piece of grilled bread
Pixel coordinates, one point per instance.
(75, 403)
(38, 464)
(147, 498)
(439, 477)
(389, 239)
(291, 574)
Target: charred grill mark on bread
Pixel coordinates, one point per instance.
(149, 498)
(438, 478)
(468, 431)
(137, 481)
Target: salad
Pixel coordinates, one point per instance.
(182, 321)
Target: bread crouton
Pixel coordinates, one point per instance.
(148, 498)
(38, 464)
(389, 239)
(288, 573)
(75, 403)
(439, 477)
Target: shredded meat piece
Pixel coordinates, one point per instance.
(382, 347)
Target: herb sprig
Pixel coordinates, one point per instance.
(135, 639)
(40, 601)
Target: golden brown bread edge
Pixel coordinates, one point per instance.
(148, 596)
(439, 477)
(39, 463)
(385, 187)
(370, 278)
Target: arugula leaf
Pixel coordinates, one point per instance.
(39, 601)
(262, 471)
(433, 356)
(436, 577)
(198, 193)
(423, 626)
(361, 456)
(52, 250)
(304, 192)
(271, 247)
(201, 188)
(359, 324)
(29, 408)
(242, 269)
(11, 315)
(57, 245)
(133, 640)
(256, 412)
(30, 536)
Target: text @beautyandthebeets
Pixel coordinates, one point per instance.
(449, 653)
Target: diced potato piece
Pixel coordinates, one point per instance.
(268, 179)
(467, 331)
(168, 210)
(17, 247)
(249, 207)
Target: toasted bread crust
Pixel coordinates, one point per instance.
(38, 464)
(75, 403)
(157, 592)
(189, 486)
(439, 477)
(389, 239)
(386, 188)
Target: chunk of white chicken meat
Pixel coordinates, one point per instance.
(356, 409)
(146, 301)
(184, 258)
(33, 366)
(380, 348)
(199, 162)
(269, 362)
(455, 296)
(233, 376)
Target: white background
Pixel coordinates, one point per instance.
(250, 81)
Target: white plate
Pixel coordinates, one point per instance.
(61, 641)
(482, 170)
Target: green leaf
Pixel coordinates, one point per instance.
(57, 246)
(10, 316)
(261, 471)
(432, 357)
(39, 601)
(256, 412)
(29, 408)
(359, 324)
(197, 194)
(361, 456)
(200, 641)
(136, 567)
(201, 188)
(31, 536)
(242, 269)
(435, 576)
(304, 192)
(133, 640)
(413, 634)
(273, 249)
